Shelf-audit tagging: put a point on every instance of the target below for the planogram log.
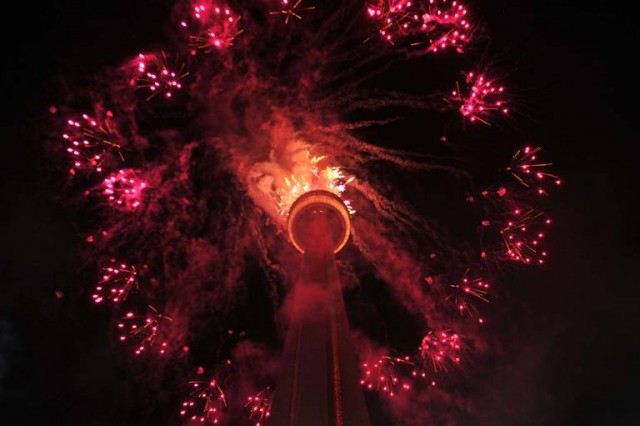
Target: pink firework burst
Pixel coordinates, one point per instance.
(143, 330)
(91, 142)
(524, 234)
(123, 189)
(431, 25)
(259, 406)
(117, 281)
(311, 173)
(211, 27)
(388, 374)
(440, 350)
(204, 403)
(467, 292)
(291, 9)
(480, 99)
(532, 173)
(157, 77)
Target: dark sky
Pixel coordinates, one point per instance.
(574, 359)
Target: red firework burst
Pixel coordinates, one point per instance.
(205, 402)
(211, 27)
(530, 172)
(91, 142)
(117, 281)
(466, 293)
(291, 9)
(523, 236)
(123, 189)
(388, 374)
(429, 24)
(259, 406)
(143, 330)
(440, 350)
(157, 77)
(480, 99)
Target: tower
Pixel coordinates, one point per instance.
(319, 380)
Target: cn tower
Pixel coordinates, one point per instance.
(318, 383)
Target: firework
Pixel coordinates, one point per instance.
(253, 142)
(116, 283)
(468, 291)
(211, 27)
(523, 235)
(143, 330)
(204, 403)
(431, 25)
(291, 9)
(480, 99)
(309, 175)
(530, 172)
(157, 77)
(388, 374)
(91, 142)
(259, 406)
(440, 349)
(123, 189)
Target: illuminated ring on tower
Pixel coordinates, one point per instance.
(320, 201)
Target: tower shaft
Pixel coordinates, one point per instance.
(319, 379)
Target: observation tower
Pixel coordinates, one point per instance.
(318, 383)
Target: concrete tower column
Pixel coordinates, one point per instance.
(318, 384)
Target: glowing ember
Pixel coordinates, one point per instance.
(204, 403)
(468, 291)
(157, 77)
(530, 172)
(123, 189)
(480, 99)
(259, 406)
(388, 375)
(291, 9)
(142, 331)
(116, 283)
(211, 27)
(91, 142)
(432, 25)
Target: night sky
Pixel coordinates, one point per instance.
(572, 331)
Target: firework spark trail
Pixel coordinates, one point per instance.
(431, 25)
(123, 189)
(374, 101)
(480, 99)
(389, 375)
(205, 402)
(363, 153)
(466, 292)
(92, 142)
(116, 283)
(515, 217)
(523, 236)
(292, 9)
(530, 172)
(259, 406)
(396, 213)
(156, 76)
(143, 331)
(210, 26)
(440, 350)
